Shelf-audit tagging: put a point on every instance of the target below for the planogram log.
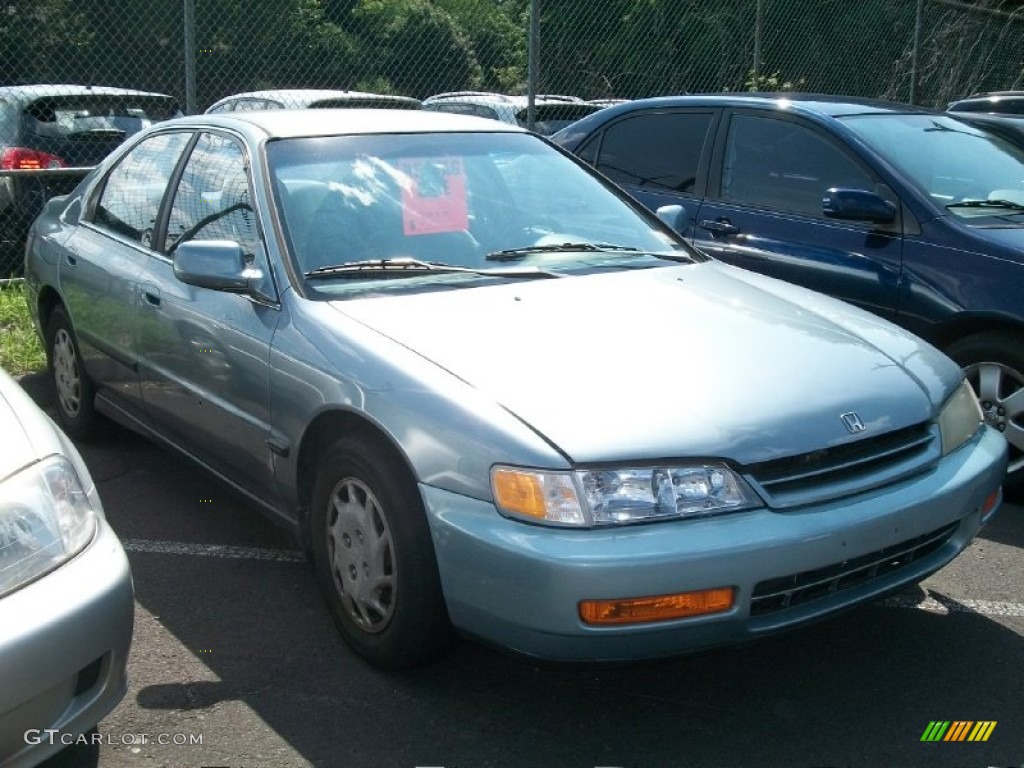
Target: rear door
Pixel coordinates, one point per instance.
(101, 260)
(763, 211)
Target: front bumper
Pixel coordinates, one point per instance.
(64, 642)
(519, 585)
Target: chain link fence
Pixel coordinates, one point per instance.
(196, 51)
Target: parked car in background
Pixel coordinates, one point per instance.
(488, 391)
(551, 112)
(1009, 127)
(66, 603)
(311, 98)
(994, 102)
(909, 213)
(51, 127)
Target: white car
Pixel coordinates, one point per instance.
(66, 598)
(552, 112)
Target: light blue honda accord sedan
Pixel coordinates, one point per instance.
(492, 396)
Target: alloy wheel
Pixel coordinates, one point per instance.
(1001, 392)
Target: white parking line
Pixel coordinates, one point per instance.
(213, 550)
(932, 603)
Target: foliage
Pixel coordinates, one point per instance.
(20, 349)
(772, 83)
(602, 48)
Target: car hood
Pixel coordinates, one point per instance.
(17, 418)
(697, 360)
(1010, 238)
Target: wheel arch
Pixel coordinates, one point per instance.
(47, 301)
(968, 324)
(325, 428)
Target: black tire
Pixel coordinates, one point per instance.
(994, 364)
(73, 392)
(374, 557)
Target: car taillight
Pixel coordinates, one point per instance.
(22, 159)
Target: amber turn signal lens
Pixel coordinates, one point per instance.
(637, 610)
(519, 492)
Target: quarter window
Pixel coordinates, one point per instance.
(780, 164)
(659, 150)
(133, 191)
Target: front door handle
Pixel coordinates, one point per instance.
(720, 227)
(152, 296)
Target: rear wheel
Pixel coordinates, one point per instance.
(72, 390)
(374, 556)
(994, 364)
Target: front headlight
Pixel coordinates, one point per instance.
(618, 496)
(46, 518)
(960, 418)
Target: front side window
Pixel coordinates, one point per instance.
(131, 196)
(658, 150)
(212, 201)
(780, 164)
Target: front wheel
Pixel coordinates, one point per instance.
(374, 556)
(73, 392)
(994, 365)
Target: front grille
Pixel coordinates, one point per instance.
(796, 589)
(846, 469)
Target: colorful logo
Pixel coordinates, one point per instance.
(958, 730)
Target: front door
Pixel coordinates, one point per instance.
(764, 212)
(204, 353)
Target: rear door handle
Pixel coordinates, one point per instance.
(720, 227)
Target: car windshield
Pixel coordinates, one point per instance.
(957, 165)
(471, 200)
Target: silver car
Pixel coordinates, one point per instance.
(490, 394)
(66, 604)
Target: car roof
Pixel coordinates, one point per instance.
(824, 104)
(993, 94)
(24, 93)
(501, 98)
(289, 123)
(311, 95)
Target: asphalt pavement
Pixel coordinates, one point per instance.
(235, 663)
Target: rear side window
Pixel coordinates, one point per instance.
(781, 164)
(131, 196)
(656, 150)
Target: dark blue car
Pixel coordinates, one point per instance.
(912, 214)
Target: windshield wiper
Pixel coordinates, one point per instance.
(1006, 204)
(405, 267)
(514, 254)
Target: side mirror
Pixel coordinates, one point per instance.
(219, 265)
(674, 216)
(857, 205)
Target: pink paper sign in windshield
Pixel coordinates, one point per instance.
(434, 196)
